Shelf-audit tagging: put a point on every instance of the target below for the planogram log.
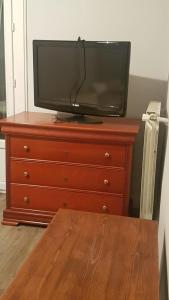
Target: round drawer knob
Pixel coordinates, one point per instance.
(106, 182)
(26, 174)
(26, 199)
(107, 155)
(104, 208)
(26, 148)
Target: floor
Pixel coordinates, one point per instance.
(16, 242)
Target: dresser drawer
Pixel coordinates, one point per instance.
(85, 177)
(50, 199)
(108, 155)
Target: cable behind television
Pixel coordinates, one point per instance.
(84, 70)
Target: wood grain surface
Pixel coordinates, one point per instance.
(51, 199)
(64, 175)
(42, 124)
(130, 126)
(93, 158)
(91, 256)
(68, 152)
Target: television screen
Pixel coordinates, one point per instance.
(81, 77)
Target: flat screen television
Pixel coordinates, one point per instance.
(81, 77)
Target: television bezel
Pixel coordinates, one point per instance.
(82, 109)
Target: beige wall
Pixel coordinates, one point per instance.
(141, 22)
(164, 209)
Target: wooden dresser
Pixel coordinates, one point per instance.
(53, 165)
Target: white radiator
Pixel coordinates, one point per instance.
(152, 119)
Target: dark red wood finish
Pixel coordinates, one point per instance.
(83, 177)
(50, 199)
(91, 256)
(85, 166)
(68, 152)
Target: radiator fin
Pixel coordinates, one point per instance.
(151, 119)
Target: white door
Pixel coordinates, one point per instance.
(13, 79)
(3, 106)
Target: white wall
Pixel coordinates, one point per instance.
(142, 22)
(164, 208)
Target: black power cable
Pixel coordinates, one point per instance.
(84, 69)
(75, 84)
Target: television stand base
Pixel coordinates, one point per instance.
(68, 117)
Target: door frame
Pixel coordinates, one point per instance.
(9, 66)
(15, 39)
(15, 36)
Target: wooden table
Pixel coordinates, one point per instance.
(91, 256)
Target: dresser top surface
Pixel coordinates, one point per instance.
(91, 256)
(47, 120)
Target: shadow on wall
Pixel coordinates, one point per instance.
(141, 92)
